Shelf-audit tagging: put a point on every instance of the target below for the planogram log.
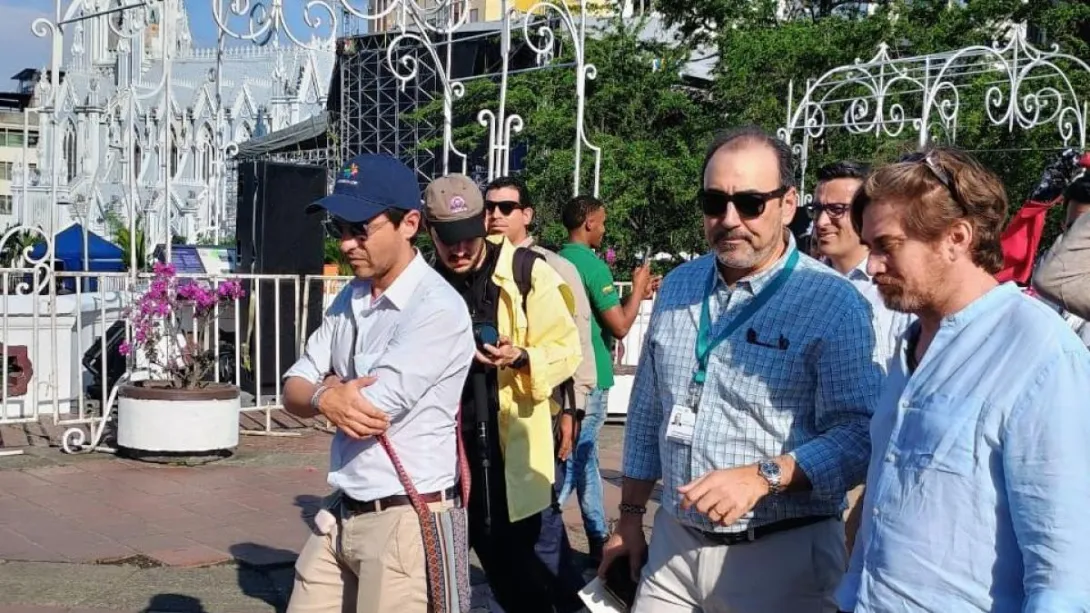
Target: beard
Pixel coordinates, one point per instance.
(742, 254)
(912, 295)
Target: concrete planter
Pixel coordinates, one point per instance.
(155, 420)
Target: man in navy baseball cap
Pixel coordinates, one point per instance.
(370, 184)
(373, 213)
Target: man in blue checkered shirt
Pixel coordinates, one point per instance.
(752, 403)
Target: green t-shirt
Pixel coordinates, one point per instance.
(598, 282)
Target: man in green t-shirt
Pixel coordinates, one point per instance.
(585, 218)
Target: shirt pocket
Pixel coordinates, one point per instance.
(940, 434)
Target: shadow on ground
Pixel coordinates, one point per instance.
(174, 603)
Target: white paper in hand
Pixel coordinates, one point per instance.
(598, 600)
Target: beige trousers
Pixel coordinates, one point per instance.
(375, 566)
(794, 571)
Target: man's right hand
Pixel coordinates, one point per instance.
(345, 407)
(627, 539)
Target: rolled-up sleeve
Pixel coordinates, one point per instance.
(848, 383)
(641, 456)
(1064, 277)
(437, 343)
(1045, 456)
(317, 359)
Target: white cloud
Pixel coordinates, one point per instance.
(19, 47)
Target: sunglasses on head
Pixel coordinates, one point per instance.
(505, 206)
(940, 174)
(748, 204)
(833, 210)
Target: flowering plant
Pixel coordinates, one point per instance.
(157, 330)
(611, 256)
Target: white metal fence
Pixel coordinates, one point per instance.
(61, 334)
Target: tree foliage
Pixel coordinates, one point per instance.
(652, 124)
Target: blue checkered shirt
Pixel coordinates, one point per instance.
(812, 399)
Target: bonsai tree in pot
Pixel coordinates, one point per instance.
(179, 411)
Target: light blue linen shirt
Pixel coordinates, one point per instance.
(978, 489)
(810, 395)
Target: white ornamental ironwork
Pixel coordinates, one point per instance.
(886, 96)
(130, 124)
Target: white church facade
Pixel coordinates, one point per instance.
(128, 77)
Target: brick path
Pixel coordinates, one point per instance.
(110, 510)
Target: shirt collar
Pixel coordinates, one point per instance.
(858, 273)
(755, 283)
(398, 294)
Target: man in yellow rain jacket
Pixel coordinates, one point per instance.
(527, 344)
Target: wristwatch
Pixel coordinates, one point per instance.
(771, 473)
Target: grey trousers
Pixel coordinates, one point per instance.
(794, 571)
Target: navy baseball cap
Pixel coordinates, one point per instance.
(368, 185)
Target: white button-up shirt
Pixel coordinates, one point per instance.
(889, 325)
(417, 339)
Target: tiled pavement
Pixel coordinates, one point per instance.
(111, 510)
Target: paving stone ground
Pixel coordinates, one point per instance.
(100, 533)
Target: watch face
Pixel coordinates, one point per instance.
(770, 469)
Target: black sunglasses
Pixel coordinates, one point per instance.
(748, 204)
(505, 206)
(337, 228)
(834, 210)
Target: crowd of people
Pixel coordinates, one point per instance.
(880, 355)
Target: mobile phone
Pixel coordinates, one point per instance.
(619, 583)
(646, 256)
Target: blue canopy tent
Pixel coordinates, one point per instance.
(102, 255)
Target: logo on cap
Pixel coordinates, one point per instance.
(458, 205)
(350, 171)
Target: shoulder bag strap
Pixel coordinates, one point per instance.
(410, 489)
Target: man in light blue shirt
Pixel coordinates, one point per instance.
(977, 490)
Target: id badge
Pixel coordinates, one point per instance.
(681, 424)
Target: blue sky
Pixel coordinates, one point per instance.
(19, 48)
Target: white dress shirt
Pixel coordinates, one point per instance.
(889, 325)
(417, 339)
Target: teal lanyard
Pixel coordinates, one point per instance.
(705, 345)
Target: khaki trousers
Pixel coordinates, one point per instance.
(370, 563)
(794, 571)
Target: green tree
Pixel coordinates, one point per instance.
(650, 122)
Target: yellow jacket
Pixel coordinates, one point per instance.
(548, 334)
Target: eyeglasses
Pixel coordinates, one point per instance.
(834, 210)
(748, 204)
(943, 177)
(505, 206)
(337, 228)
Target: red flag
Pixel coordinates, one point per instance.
(1020, 241)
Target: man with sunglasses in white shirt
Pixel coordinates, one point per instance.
(390, 358)
(751, 403)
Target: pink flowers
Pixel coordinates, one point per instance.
(157, 316)
(611, 256)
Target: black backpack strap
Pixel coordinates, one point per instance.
(524, 271)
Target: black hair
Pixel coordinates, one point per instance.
(575, 212)
(845, 169)
(396, 216)
(515, 182)
(753, 134)
(1078, 191)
